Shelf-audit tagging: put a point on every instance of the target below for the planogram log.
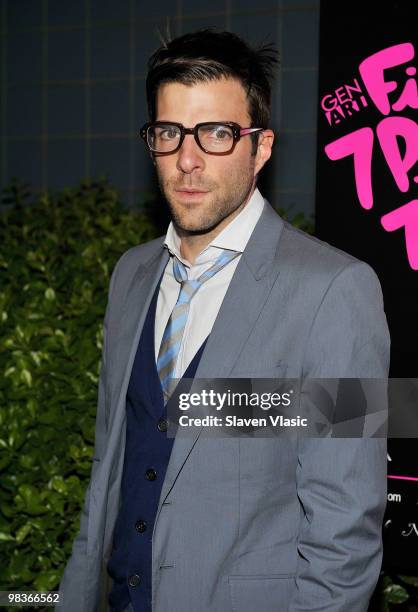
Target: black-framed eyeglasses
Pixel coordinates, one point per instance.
(213, 137)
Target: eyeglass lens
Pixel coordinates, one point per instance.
(215, 138)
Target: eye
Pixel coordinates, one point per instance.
(220, 133)
(216, 133)
(168, 133)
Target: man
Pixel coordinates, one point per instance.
(227, 524)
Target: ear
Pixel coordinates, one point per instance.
(264, 149)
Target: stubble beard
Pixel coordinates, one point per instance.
(219, 206)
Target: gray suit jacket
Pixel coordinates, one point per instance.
(249, 525)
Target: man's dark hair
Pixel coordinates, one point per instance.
(209, 55)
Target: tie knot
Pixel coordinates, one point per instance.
(190, 287)
(180, 270)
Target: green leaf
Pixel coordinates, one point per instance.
(26, 377)
(6, 537)
(412, 580)
(50, 294)
(58, 484)
(23, 532)
(396, 594)
(30, 501)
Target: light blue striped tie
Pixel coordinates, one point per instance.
(173, 333)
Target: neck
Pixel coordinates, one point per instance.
(193, 243)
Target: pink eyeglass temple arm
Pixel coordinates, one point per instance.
(246, 131)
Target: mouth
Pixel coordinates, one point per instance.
(190, 193)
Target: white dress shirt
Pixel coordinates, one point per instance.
(206, 303)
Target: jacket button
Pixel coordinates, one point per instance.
(141, 526)
(151, 474)
(134, 580)
(162, 425)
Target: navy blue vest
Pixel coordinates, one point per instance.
(147, 453)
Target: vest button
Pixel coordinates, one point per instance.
(141, 526)
(134, 580)
(162, 425)
(151, 474)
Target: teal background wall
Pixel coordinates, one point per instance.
(72, 95)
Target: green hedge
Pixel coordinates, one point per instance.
(56, 256)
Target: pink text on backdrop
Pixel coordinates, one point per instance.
(387, 96)
(343, 102)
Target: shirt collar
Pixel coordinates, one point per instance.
(233, 237)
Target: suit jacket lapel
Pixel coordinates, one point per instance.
(135, 310)
(246, 295)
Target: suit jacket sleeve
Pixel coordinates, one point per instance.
(342, 482)
(72, 586)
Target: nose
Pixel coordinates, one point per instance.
(190, 156)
